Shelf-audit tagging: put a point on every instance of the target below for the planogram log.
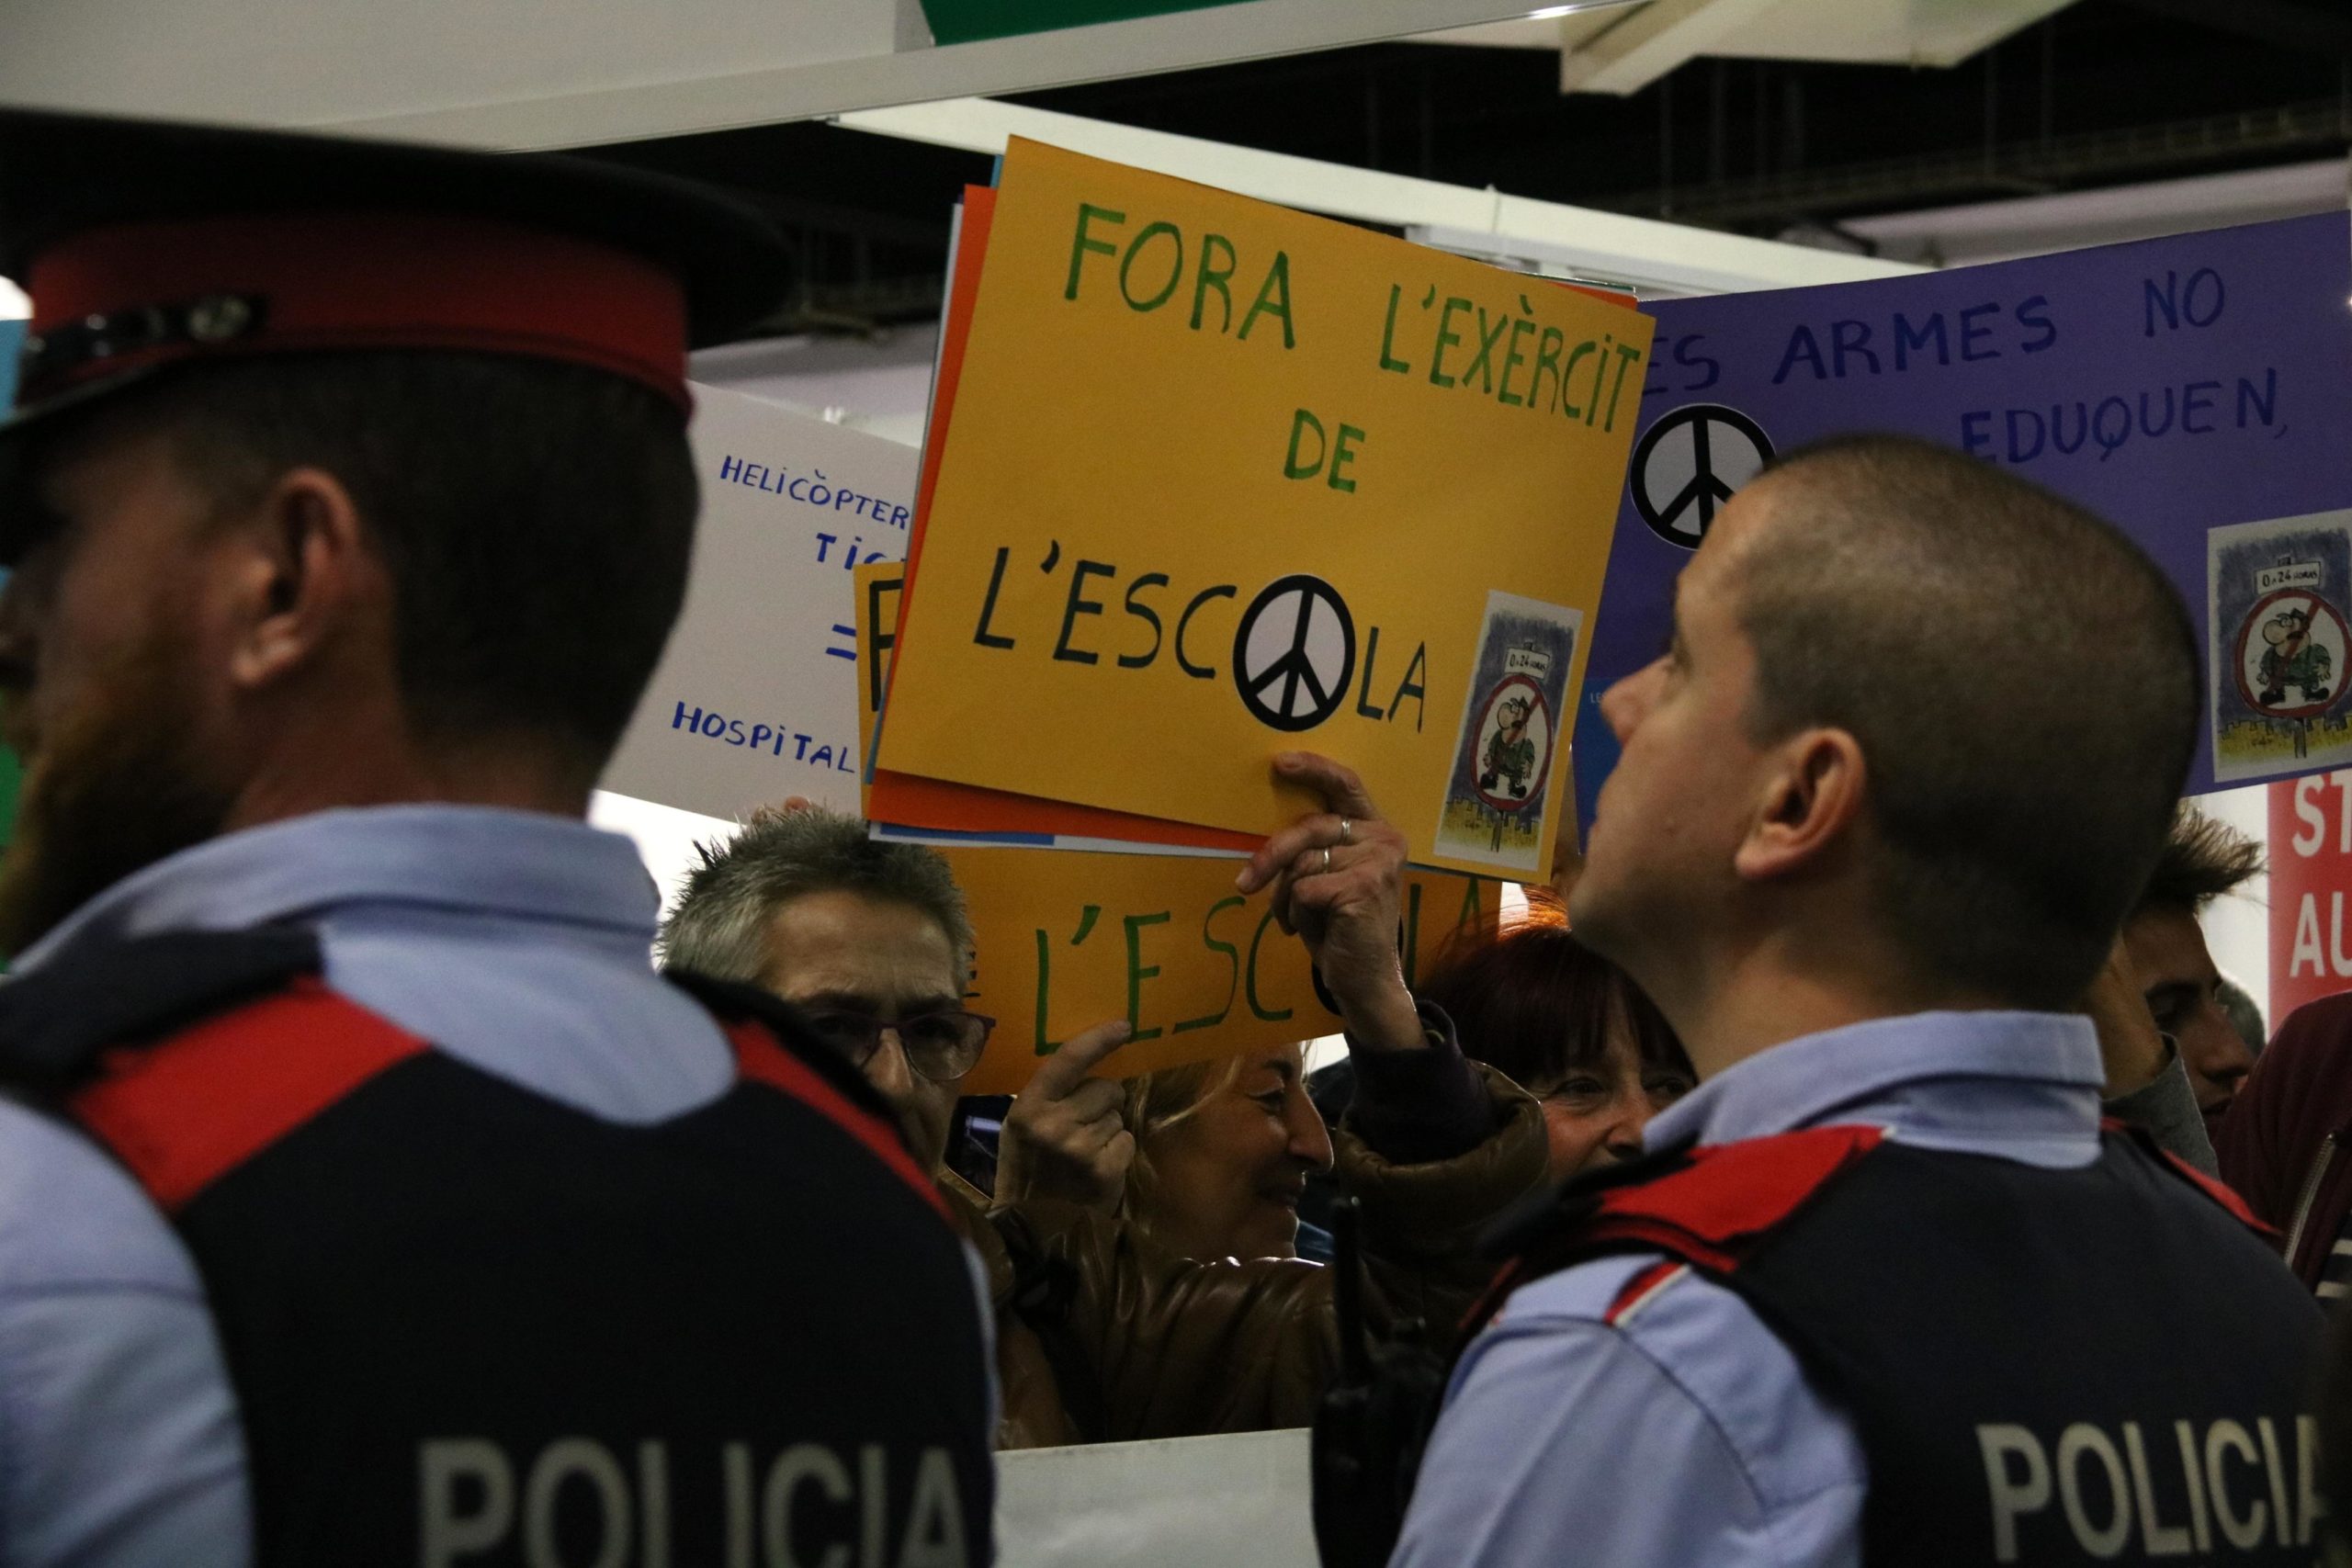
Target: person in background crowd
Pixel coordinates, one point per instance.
(1534, 1003)
(2244, 1015)
(2147, 1082)
(2165, 950)
(1225, 1150)
(1906, 1295)
(1103, 1334)
(364, 1197)
(2286, 1145)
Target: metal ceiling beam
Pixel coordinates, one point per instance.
(2030, 168)
(2284, 24)
(1601, 245)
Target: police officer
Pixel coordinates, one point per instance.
(365, 1198)
(1884, 1292)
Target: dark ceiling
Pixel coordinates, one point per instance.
(2105, 92)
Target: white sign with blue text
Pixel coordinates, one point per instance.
(756, 697)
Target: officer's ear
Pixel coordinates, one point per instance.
(301, 578)
(1811, 799)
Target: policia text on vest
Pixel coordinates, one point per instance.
(2248, 1486)
(578, 1501)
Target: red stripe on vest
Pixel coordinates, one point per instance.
(1729, 1194)
(2226, 1195)
(2198, 1179)
(185, 1112)
(758, 1058)
(1640, 1286)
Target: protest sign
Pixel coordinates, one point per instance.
(1067, 940)
(756, 697)
(2311, 871)
(876, 620)
(2197, 390)
(1224, 479)
(929, 810)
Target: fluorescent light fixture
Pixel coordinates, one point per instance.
(1548, 12)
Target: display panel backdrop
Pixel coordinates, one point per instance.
(2197, 390)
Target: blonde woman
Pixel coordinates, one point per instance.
(1223, 1152)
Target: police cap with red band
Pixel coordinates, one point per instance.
(146, 244)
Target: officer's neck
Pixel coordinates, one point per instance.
(1793, 982)
(359, 765)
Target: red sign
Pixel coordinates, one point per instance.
(2311, 874)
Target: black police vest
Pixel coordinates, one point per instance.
(2044, 1367)
(467, 1325)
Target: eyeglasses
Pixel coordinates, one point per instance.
(942, 1045)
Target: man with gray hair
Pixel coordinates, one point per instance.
(1101, 1334)
(870, 938)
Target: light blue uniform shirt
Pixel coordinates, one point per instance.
(517, 943)
(1685, 1435)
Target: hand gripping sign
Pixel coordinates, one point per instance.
(1066, 940)
(1223, 480)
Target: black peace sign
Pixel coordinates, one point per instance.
(1282, 657)
(1687, 465)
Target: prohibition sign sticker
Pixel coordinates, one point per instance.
(1293, 653)
(2292, 641)
(1688, 465)
(1514, 746)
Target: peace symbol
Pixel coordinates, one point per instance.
(1688, 465)
(1293, 653)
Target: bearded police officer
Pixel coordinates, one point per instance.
(1883, 1291)
(365, 1198)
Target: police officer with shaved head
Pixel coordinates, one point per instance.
(364, 1197)
(1885, 1290)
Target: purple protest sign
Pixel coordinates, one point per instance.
(2176, 386)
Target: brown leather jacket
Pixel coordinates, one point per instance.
(1103, 1336)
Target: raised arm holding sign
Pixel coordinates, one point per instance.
(1336, 877)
